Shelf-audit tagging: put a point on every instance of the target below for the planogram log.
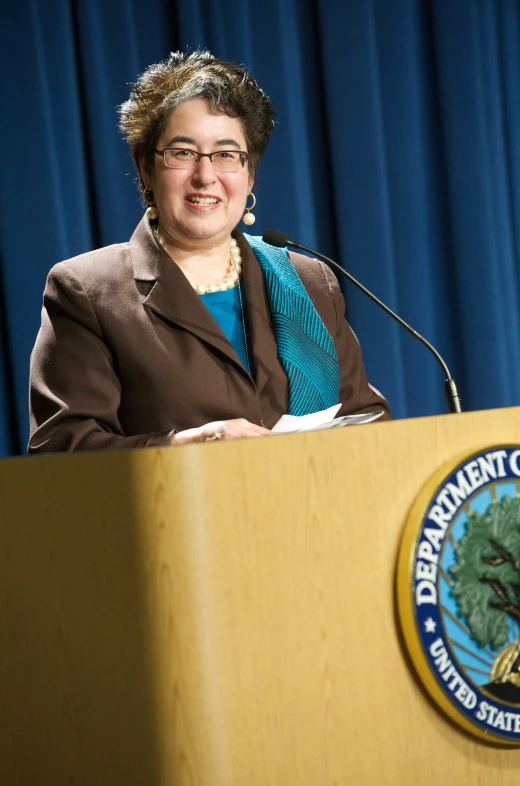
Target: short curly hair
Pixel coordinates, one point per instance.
(228, 88)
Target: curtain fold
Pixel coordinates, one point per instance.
(395, 151)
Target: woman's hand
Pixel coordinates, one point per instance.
(219, 429)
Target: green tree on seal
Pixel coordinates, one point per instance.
(486, 579)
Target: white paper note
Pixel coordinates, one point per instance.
(289, 424)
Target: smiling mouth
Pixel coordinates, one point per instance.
(203, 201)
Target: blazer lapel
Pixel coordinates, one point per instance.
(173, 298)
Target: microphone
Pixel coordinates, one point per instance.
(279, 239)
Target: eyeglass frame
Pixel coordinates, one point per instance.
(244, 156)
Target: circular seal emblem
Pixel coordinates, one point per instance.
(458, 589)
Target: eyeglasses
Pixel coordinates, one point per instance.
(222, 160)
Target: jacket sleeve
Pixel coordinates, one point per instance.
(356, 393)
(74, 392)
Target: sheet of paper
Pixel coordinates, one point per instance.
(290, 424)
(348, 420)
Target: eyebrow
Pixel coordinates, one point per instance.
(188, 140)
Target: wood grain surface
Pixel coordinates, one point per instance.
(224, 614)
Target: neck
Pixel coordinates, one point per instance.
(203, 268)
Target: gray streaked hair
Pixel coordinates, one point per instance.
(227, 87)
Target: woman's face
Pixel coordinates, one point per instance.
(177, 192)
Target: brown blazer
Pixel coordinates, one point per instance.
(127, 351)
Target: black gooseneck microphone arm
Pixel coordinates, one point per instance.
(275, 238)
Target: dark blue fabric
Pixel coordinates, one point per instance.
(396, 151)
(225, 309)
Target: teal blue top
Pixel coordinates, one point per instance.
(224, 307)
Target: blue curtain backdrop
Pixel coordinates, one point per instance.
(397, 151)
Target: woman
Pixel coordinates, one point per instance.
(190, 331)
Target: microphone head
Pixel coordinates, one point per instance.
(275, 238)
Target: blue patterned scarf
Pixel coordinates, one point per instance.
(305, 348)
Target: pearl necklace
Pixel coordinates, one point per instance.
(231, 280)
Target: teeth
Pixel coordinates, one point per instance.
(203, 200)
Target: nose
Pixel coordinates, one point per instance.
(204, 172)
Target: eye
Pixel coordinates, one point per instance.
(179, 152)
(226, 155)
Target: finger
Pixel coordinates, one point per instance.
(246, 425)
(244, 433)
(187, 436)
(214, 431)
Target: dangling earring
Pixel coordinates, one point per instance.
(151, 213)
(248, 217)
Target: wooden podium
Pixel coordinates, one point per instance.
(223, 614)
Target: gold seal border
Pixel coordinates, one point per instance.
(405, 604)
